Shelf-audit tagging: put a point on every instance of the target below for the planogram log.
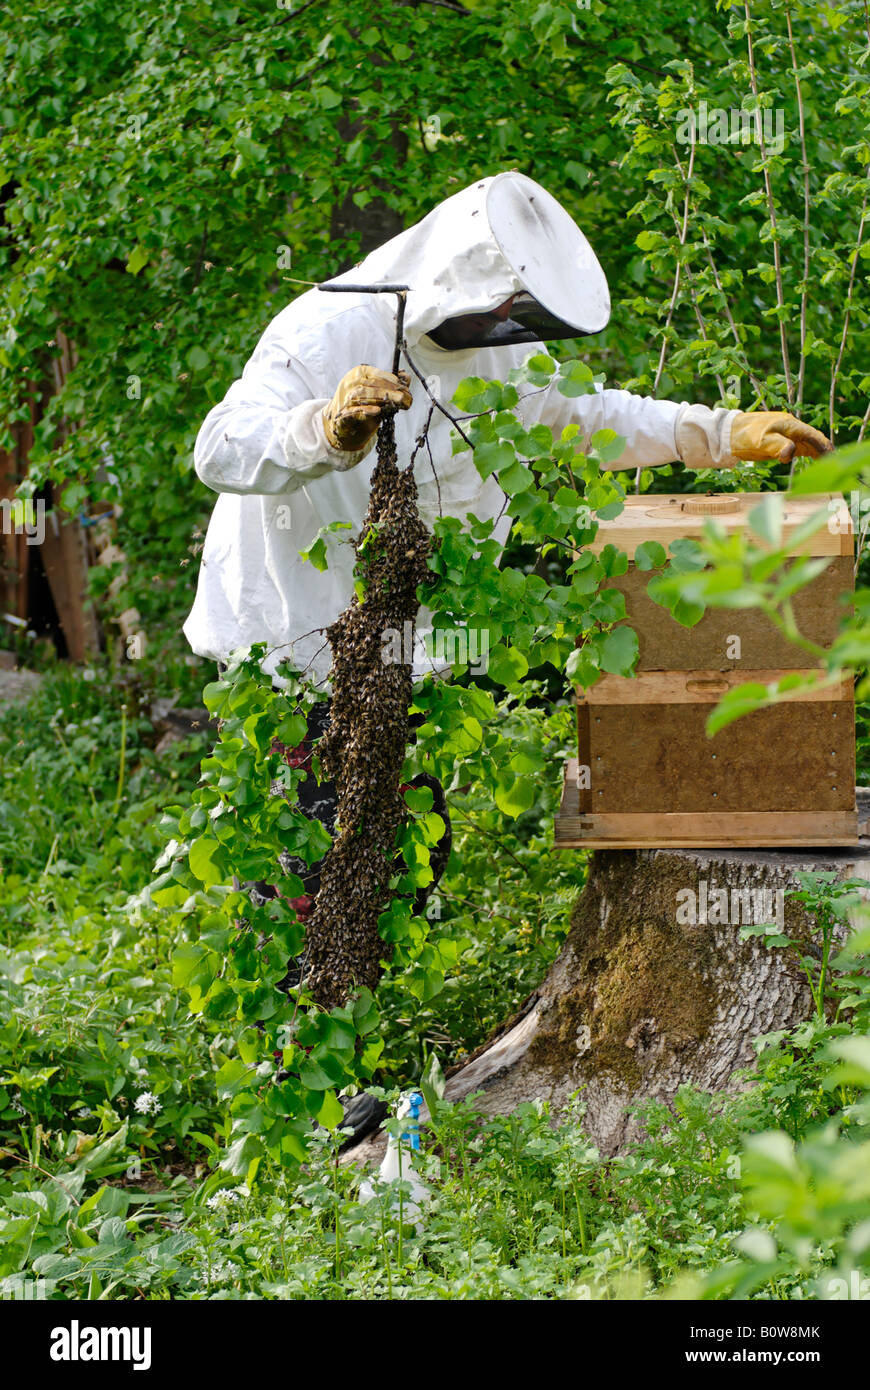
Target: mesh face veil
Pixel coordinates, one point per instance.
(528, 322)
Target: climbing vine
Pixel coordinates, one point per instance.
(282, 1056)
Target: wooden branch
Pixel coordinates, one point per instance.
(200, 259)
(444, 4)
(682, 240)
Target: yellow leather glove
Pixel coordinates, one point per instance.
(354, 413)
(774, 434)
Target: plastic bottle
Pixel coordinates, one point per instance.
(397, 1165)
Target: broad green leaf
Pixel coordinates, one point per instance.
(316, 554)
(649, 555)
(618, 650)
(506, 665)
(492, 457)
(204, 857)
(516, 796)
(742, 700)
(766, 519)
(137, 259)
(331, 1112)
(420, 799)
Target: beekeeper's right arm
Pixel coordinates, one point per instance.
(269, 435)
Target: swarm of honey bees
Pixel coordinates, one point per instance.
(363, 748)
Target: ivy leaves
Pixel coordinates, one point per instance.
(241, 821)
(556, 494)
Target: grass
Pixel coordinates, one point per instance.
(111, 1130)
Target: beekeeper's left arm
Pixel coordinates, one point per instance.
(658, 432)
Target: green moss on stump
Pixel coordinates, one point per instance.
(642, 978)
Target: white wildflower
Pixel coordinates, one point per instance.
(148, 1104)
(223, 1198)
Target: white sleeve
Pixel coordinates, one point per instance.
(266, 435)
(655, 432)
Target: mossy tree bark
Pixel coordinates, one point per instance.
(643, 999)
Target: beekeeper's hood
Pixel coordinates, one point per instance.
(502, 236)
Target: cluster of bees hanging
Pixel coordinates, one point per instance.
(364, 745)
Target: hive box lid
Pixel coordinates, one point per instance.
(674, 516)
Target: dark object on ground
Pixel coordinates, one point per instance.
(175, 723)
(363, 1114)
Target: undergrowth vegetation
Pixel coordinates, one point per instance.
(112, 1128)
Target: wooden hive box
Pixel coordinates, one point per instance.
(647, 775)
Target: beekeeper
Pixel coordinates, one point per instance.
(492, 272)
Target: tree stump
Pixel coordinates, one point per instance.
(642, 999)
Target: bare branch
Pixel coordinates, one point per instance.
(444, 411)
(676, 289)
(848, 313)
(756, 384)
(806, 229)
(771, 208)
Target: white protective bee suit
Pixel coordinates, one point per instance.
(264, 451)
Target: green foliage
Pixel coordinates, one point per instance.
(751, 222)
(153, 216)
(806, 1181)
(103, 1073)
(96, 1205)
(833, 901)
(242, 817)
(170, 177)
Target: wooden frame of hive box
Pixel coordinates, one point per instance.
(780, 776)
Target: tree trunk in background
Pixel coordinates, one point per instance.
(377, 222)
(639, 1003)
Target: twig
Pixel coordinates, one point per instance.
(423, 438)
(427, 152)
(677, 275)
(699, 317)
(806, 173)
(771, 208)
(200, 259)
(444, 4)
(434, 474)
(846, 317)
(756, 384)
(245, 37)
(682, 240)
(444, 411)
(300, 9)
(491, 835)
